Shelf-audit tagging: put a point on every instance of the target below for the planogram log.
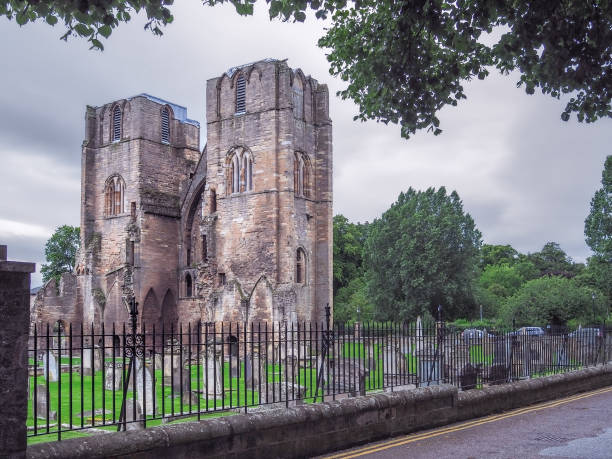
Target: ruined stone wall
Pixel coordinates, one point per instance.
(257, 232)
(57, 302)
(154, 173)
(174, 196)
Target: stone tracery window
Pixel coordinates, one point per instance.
(301, 175)
(240, 171)
(114, 192)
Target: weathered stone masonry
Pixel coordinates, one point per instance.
(239, 232)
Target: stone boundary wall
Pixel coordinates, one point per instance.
(311, 430)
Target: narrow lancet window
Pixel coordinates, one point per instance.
(165, 126)
(116, 124)
(240, 94)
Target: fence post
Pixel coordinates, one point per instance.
(15, 307)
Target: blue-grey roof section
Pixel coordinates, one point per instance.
(180, 112)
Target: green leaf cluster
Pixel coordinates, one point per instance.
(598, 224)
(422, 252)
(90, 19)
(405, 60)
(60, 252)
(552, 300)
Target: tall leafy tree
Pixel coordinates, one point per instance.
(60, 252)
(598, 224)
(349, 239)
(422, 252)
(404, 60)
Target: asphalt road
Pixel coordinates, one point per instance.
(575, 427)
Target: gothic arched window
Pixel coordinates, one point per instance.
(114, 191)
(298, 98)
(306, 177)
(298, 175)
(247, 162)
(240, 94)
(116, 131)
(235, 171)
(188, 285)
(300, 266)
(239, 165)
(165, 125)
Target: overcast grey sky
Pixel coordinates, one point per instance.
(525, 176)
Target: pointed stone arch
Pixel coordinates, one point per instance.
(169, 313)
(150, 309)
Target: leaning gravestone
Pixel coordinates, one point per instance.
(50, 365)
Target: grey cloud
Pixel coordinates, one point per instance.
(525, 176)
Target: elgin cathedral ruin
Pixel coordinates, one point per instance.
(241, 231)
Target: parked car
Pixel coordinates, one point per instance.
(474, 334)
(530, 331)
(586, 334)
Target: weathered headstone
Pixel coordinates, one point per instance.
(112, 379)
(145, 382)
(98, 360)
(279, 394)
(50, 366)
(132, 415)
(212, 374)
(42, 404)
(172, 360)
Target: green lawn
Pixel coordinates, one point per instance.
(81, 396)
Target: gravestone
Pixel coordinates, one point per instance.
(42, 404)
(50, 365)
(349, 376)
(172, 360)
(113, 382)
(469, 376)
(133, 415)
(255, 370)
(394, 366)
(144, 388)
(212, 373)
(98, 359)
(279, 394)
(428, 368)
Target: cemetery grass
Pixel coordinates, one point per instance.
(87, 403)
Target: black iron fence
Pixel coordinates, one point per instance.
(84, 380)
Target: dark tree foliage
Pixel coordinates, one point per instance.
(349, 239)
(553, 261)
(60, 252)
(598, 224)
(405, 60)
(421, 253)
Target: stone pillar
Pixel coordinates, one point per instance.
(14, 330)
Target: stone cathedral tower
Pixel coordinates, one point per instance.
(257, 219)
(239, 232)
